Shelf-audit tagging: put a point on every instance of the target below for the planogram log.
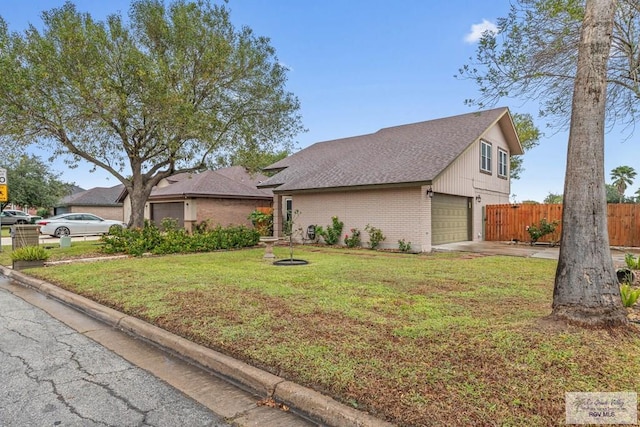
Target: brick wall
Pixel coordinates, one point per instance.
(398, 212)
(227, 212)
(106, 212)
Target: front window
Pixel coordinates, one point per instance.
(502, 163)
(485, 156)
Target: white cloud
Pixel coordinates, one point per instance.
(478, 29)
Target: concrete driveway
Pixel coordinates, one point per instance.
(522, 250)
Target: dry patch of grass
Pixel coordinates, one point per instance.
(437, 339)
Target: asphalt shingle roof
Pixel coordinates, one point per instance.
(409, 153)
(98, 196)
(233, 182)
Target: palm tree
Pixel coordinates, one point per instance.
(622, 177)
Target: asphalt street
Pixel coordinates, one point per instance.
(53, 375)
(237, 392)
(61, 366)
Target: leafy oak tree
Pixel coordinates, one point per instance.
(553, 198)
(613, 196)
(252, 160)
(611, 193)
(143, 98)
(529, 136)
(535, 54)
(32, 183)
(548, 50)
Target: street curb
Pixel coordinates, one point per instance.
(318, 407)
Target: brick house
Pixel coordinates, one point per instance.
(425, 182)
(223, 197)
(101, 201)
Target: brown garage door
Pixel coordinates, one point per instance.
(450, 219)
(175, 210)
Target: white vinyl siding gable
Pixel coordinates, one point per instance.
(485, 156)
(503, 162)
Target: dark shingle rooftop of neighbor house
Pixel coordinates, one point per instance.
(232, 182)
(412, 153)
(98, 196)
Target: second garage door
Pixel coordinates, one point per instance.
(174, 210)
(450, 219)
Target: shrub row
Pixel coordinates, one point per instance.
(331, 234)
(172, 239)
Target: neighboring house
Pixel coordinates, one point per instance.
(425, 182)
(100, 201)
(223, 197)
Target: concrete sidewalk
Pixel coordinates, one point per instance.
(313, 407)
(521, 250)
(51, 241)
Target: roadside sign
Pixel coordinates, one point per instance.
(3, 176)
(4, 193)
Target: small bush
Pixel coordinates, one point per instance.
(43, 212)
(169, 224)
(631, 261)
(375, 236)
(150, 239)
(133, 241)
(201, 227)
(333, 232)
(629, 295)
(263, 222)
(30, 253)
(352, 241)
(404, 246)
(544, 227)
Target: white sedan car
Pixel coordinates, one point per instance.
(73, 224)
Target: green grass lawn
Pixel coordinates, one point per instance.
(438, 339)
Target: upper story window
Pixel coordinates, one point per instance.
(503, 162)
(485, 156)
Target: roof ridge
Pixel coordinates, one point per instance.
(409, 153)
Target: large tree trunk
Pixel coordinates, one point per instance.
(586, 287)
(138, 202)
(139, 192)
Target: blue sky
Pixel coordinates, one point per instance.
(358, 66)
